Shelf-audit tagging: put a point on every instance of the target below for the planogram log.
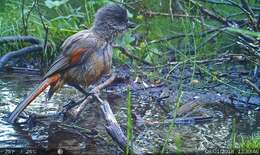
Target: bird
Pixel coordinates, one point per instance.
(85, 56)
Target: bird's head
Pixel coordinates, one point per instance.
(112, 18)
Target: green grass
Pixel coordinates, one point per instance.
(62, 20)
(171, 127)
(65, 18)
(129, 123)
(251, 143)
(233, 134)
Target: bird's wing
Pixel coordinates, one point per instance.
(72, 50)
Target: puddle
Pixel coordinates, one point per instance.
(147, 137)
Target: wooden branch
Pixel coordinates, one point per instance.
(125, 52)
(151, 14)
(253, 86)
(112, 127)
(33, 48)
(4, 59)
(29, 39)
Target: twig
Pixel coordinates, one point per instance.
(26, 50)
(226, 3)
(23, 19)
(45, 27)
(125, 4)
(183, 35)
(211, 14)
(23, 70)
(249, 14)
(249, 83)
(246, 6)
(170, 9)
(26, 18)
(172, 69)
(214, 35)
(125, 52)
(167, 38)
(177, 63)
(187, 120)
(151, 14)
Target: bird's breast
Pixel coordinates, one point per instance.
(99, 64)
(95, 65)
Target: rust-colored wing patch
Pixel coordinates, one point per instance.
(76, 55)
(64, 62)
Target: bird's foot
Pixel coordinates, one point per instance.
(95, 90)
(65, 112)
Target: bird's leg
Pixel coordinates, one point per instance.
(95, 91)
(72, 103)
(79, 88)
(49, 95)
(110, 80)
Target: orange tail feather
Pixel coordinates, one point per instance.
(31, 97)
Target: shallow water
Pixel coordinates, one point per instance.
(147, 137)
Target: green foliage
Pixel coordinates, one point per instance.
(241, 31)
(50, 3)
(129, 122)
(252, 143)
(178, 143)
(65, 18)
(171, 127)
(233, 134)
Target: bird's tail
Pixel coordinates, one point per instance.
(31, 97)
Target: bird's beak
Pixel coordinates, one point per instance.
(131, 24)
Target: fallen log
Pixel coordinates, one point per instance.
(4, 59)
(36, 46)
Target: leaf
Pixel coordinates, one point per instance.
(149, 57)
(50, 3)
(129, 14)
(242, 31)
